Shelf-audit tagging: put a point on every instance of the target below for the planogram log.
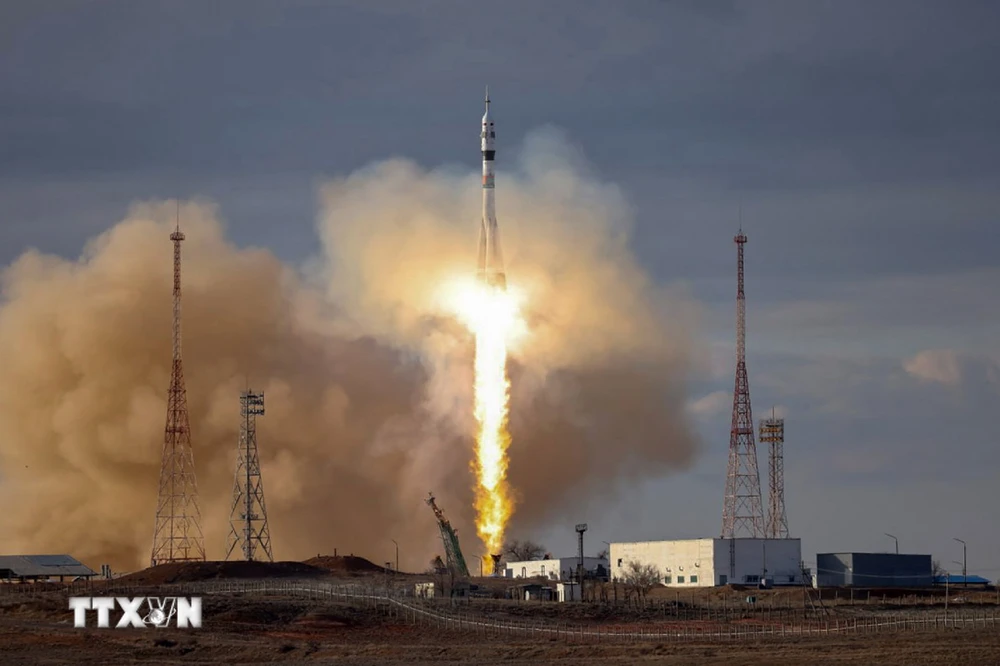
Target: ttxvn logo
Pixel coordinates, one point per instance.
(139, 611)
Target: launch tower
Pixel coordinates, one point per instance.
(452, 551)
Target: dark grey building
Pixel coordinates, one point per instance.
(22, 568)
(873, 570)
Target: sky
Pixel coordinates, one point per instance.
(854, 141)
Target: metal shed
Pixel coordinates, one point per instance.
(23, 568)
(873, 570)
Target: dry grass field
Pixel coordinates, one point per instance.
(246, 630)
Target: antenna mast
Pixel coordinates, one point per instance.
(742, 514)
(177, 535)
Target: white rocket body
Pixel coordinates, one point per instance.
(490, 267)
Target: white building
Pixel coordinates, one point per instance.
(554, 569)
(709, 562)
(568, 591)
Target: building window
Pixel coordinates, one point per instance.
(543, 569)
(694, 579)
(619, 561)
(680, 579)
(667, 579)
(752, 579)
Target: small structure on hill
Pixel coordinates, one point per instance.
(531, 592)
(557, 569)
(34, 568)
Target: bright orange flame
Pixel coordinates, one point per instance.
(493, 316)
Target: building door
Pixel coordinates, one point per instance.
(723, 579)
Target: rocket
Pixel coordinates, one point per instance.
(490, 267)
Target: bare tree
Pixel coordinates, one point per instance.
(437, 565)
(937, 570)
(522, 551)
(640, 578)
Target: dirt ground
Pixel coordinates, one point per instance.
(248, 631)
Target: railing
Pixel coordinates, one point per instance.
(400, 605)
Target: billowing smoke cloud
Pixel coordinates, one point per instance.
(367, 378)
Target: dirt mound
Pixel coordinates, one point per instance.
(186, 572)
(345, 564)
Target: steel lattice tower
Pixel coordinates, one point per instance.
(177, 534)
(742, 514)
(248, 529)
(772, 432)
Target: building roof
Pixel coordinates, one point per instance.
(882, 554)
(954, 579)
(570, 558)
(41, 566)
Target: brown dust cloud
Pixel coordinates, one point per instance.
(367, 377)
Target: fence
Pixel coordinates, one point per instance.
(411, 611)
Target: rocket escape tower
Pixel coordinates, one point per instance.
(742, 514)
(248, 529)
(453, 553)
(177, 535)
(772, 432)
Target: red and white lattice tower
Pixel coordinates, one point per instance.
(742, 513)
(177, 535)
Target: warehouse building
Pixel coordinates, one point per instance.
(873, 570)
(32, 568)
(710, 562)
(556, 569)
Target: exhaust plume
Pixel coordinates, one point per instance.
(367, 375)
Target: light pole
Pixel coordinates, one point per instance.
(894, 539)
(397, 554)
(965, 571)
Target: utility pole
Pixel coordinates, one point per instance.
(397, 554)
(965, 571)
(580, 529)
(894, 539)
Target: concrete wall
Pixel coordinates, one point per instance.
(554, 569)
(873, 570)
(713, 561)
(675, 560)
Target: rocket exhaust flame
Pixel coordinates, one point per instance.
(493, 316)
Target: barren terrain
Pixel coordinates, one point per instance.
(244, 628)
